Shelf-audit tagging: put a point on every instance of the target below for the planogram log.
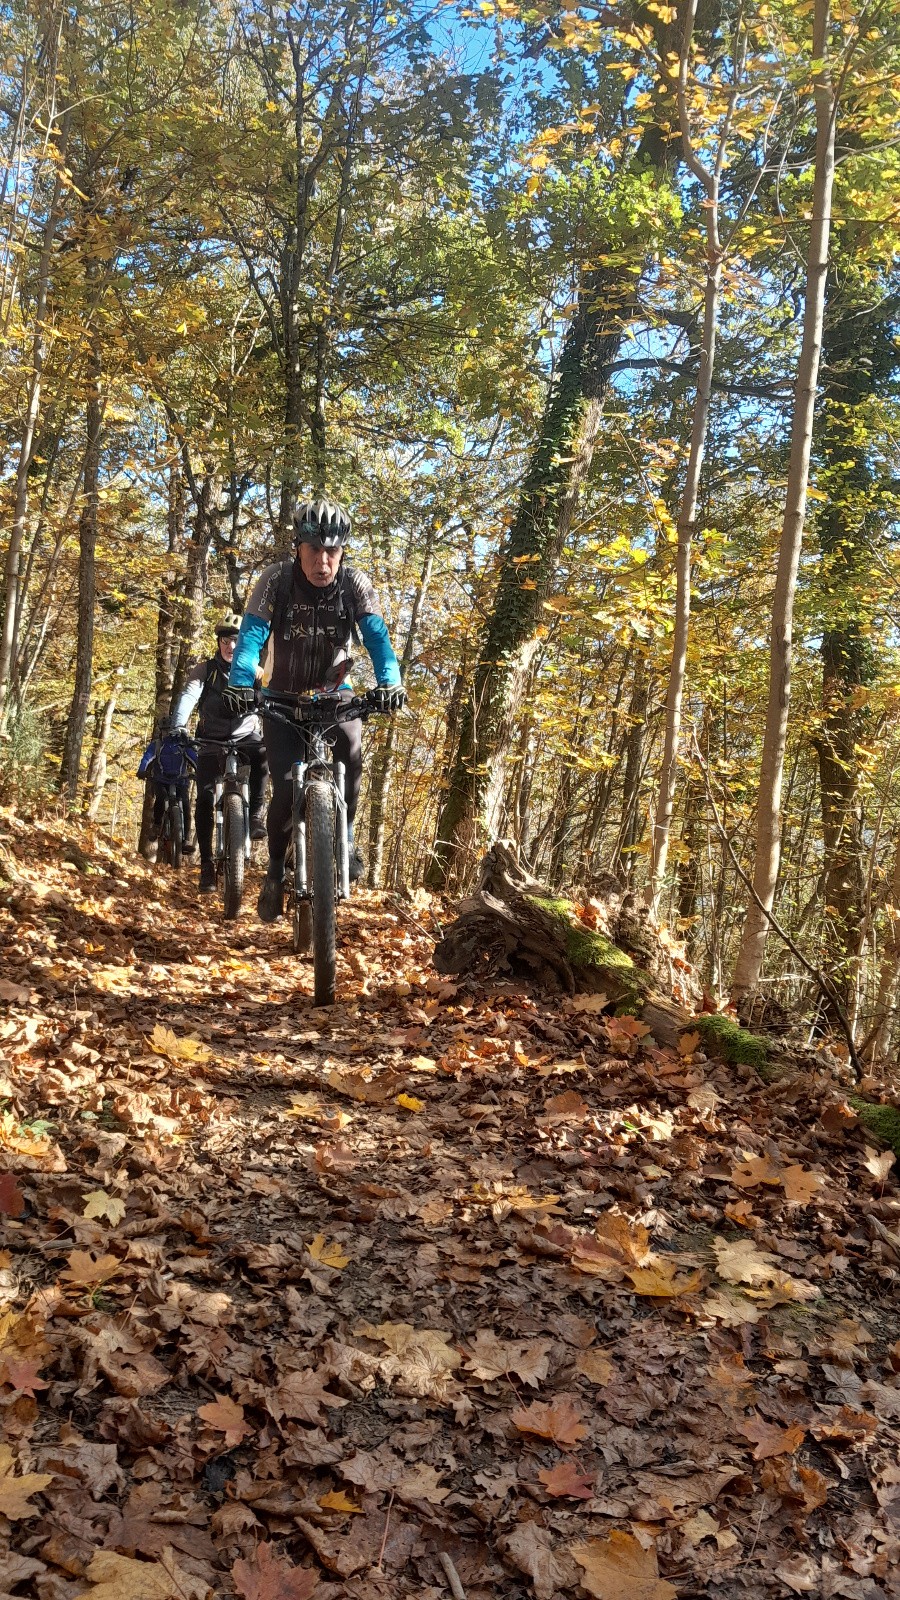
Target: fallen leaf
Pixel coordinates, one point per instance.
(421, 1482)
(86, 1268)
(12, 1200)
(227, 1417)
(327, 1255)
(118, 1577)
(410, 1103)
(560, 1420)
(619, 1568)
(753, 1170)
(337, 1500)
(800, 1185)
(163, 1042)
(22, 1375)
(770, 1440)
(688, 1043)
(101, 1204)
(660, 1280)
(566, 1107)
(879, 1164)
(14, 993)
(492, 1358)
(530, 1548)
(15, 1492)
(424, 1359)
(741, 1261)
(566, 1480)
(595, 1366)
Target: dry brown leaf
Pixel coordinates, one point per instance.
(619, 1568)
(116, 1577)
(101, 1204)
(424, 1361)
(16, 1491)
(742, 1261)
(421, 1482)
(530, 1548)
(801, 1186)
(85, 1268)
(227, 1417)
(492, 1358)
(688, 1043)
(301, 1396)
(134, 1374)
(327, 1255)
(595, 1366)
(659, 1280)
(565, 1479)
(769, 1439)
(560, 1420)
(879, 1163)
(753, 1170)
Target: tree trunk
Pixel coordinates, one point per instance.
(87, 547)
(165, 617)
(190, 630)
(96, 777)
(383, 765)
(26, 447)
(630, 833)
(768, 832)
(687, 514)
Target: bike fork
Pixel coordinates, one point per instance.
(298, 775)
(219, 814)
(341, 839)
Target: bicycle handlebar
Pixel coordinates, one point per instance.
(307, 710)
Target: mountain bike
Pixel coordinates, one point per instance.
(170, 847)
(231, 815)
(320, 875)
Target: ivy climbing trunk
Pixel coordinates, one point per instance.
(768, 827)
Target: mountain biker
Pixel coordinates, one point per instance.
(204, 692)
(165, 761)
(311, 608)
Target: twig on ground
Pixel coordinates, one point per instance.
(387, 1523)
(456, 1588)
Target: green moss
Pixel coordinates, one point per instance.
(584, 947)
(732, 1043)
(883, 1121)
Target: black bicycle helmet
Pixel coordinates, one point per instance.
(322, 523)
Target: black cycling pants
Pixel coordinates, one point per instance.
(160, 790)
(210, 763)
(283, 748)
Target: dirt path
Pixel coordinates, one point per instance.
(447, 1290)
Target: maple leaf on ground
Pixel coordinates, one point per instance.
(742, 1261)
(616, 1245)
(268, 1578)
(12, 1200)
(101, 1204)
(327, 1255)
(595, 1366)
(802, 1487)
(753, 1170)
(566, 1107)
(879, 1164)
(769, 1439)
(163, 1042)
(491, 1358)
(659, 1280)
(85, 1268)
(22, 1375)
(301, 1396)
(337, 1500)
(800, 1185)
(561, 1420)
(227, 1417)
(846, 1426)
(530, 1548)
(619, 1568)
(424, 1359)
(134, 1374)
(15, 1492)
(565, 1479)
(118, 1577)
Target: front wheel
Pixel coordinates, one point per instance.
(234, 853)
(320, 871)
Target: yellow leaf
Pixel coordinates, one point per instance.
(337, 1500)
(101, 1204)
(15, 1492)
(410, 1103)
(165, 1043)
(327, 1255)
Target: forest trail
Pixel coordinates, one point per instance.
(450, 1289)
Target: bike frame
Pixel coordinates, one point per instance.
(234, 780)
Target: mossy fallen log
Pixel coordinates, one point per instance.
(514, 924)
(881, 1120)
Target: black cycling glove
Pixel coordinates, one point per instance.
(388, 697)
(239, 702)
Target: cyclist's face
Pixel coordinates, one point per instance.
(319, 566)
(227, 646)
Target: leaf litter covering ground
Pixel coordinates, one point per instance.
(302, 1303)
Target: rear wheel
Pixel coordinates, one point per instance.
(320, 874)
(176, 822)
(234, 856)
(164, 843)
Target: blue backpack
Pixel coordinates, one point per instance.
(172, 762)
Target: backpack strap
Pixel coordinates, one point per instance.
(348, 603)
(206, 687)
(282, 597)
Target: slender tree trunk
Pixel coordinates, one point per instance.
(630, 834)
(87, 548)
(26, 448)
(876, 1045)
(383, 765)
(687, 514)
(96, 777)
(165, 617)
(768, 833)
(190, 628)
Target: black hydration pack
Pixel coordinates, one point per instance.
(346, 610)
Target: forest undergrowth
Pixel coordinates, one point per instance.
(451, 1289)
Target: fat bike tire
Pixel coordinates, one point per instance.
(321, 876)
(234, 854)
